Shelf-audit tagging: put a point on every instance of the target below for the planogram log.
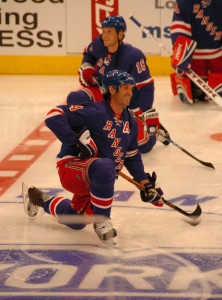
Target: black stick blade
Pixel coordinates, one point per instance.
(194, 215)
(207, 164)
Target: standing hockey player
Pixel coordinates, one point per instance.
(196, 34)
(108, 52)
(97, 140)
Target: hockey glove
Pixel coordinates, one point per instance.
(152, 193)
(151, 118)
(86, 145)
(87, 75)
(182, 54)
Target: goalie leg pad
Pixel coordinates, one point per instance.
(173, 83)
(215, 81)
(183, 88)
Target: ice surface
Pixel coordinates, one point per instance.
(158, 255)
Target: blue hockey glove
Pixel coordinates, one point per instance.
(152, 193)
(86, 145)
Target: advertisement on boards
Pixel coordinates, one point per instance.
(155, 15)
(100, 9)
(32, 27)
(65, 27)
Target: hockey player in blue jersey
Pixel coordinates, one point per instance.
(108, 52)
(98, 139)
(196, 34)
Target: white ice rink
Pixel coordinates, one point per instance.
(159, 255)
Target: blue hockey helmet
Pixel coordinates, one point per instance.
(115, 78)
(114, 21)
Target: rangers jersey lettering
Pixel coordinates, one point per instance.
(202, 22)
(115, 139)
(129, 59)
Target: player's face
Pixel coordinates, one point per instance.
(109, 36)
(124, 95)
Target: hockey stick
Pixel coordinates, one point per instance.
(194, 215)
(206, 164)
(191, 74)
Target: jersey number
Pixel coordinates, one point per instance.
(141, 66)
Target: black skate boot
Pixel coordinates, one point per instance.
(37, 197)
(33, 199)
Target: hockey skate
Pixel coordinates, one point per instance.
(161, 138)
(32, 200)
(30, 209)
(106, 232)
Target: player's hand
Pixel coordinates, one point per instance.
(152, 193)
(87, 75)
(86, 145)
(151, 118)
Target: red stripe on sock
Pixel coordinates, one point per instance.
(53, 205)
(102, 203)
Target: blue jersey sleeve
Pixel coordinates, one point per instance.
(57, 121)
(65, 124)
(182, 19)
(91, 52)
(144, 92)
(133, 161)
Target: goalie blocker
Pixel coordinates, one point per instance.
(182, 54)
(182, 86)
(181, 62)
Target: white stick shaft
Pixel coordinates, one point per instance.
(191, 74)
(204, 87)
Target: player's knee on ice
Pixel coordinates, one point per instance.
(147, 147)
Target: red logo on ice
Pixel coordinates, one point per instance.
(101, 9)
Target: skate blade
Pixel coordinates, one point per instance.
(111, 242)
(25, 197)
